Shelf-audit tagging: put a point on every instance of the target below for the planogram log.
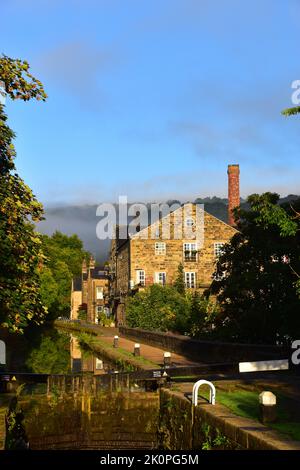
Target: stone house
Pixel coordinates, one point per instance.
(90, 292)
(150, 256)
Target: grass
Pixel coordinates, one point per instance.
(185, 378)
(245, 403)
(75, 327)
(117, 355)
(123, 354)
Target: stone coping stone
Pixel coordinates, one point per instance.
(246, 432)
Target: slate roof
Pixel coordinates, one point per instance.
(99, 273)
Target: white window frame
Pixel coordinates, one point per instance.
(140, 277)
(188, 281)
(218, 249)
(99, 293)
(161, 277)
(190, 247)
(160, 248)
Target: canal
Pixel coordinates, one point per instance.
(75, 408)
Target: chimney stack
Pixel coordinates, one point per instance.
(84, 267)
(92, 263)
(233, 191)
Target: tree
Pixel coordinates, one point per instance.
(179, 281)
(255, 277)
(203, 314)
(159, 308)
(63, 260)
(49, 353)
(20, 245)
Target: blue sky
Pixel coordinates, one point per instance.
(153, 99)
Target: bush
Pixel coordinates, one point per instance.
(158, 308)
(82, 314)
(163, 308)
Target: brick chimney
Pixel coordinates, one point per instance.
(92, 263)
(233, 190)
(84, 267)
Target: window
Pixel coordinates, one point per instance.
(190, 280)
(190, 222)
(190, 251)
(99, 364)
(140, 277)
(99, 293)
(218, 249)
(160, 278)
(160, 248)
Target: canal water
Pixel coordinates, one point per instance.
(121, 420)
(52, 416)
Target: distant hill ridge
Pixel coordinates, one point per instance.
(82, 220)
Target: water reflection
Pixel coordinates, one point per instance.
(84, 360)
(118, 420)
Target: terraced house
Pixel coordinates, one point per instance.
(90, 292)
(153, 255)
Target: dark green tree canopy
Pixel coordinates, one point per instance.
(291, 111)
(63, 260)
(179, 281)
(256, 277)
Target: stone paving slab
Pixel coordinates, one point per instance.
(152, 353)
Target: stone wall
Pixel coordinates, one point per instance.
(76, 301)
(143, 255)
(122, 269)
(205, 351)
(92, 301)
(212, 427)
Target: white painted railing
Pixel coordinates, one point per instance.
(258, 366)
(212, 391)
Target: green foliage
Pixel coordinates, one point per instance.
(64, 255)
(66, 249)
(16, 438)
(18, 82)
(214, 439)
(163, 308)
(258, 274)
(179, 281)
(20, 245)
(103, 320)
(82, 314)
(86, 339)
(49, 287)
(50, 354)
(158, 308)
(203, 314)
(291, 111)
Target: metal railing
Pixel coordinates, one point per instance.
(212, 392)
